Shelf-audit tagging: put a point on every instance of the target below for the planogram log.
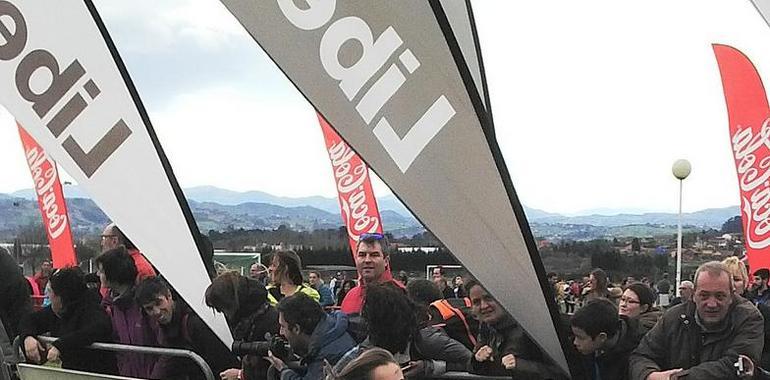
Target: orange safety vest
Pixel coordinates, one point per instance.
(448, 311)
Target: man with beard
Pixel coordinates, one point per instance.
(701, 339)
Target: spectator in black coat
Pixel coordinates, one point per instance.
(243, 301)
(502, 346)
(77, 319)
(15, 302)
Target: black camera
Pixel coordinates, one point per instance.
(276, 344)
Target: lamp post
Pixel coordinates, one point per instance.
(681, 169)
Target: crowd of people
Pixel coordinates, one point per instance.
(290, 324)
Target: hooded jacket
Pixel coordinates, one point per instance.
(131, 326)
(82, 322)
(329, 341)
(678, 341)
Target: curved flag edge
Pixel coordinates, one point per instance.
(518, 209)
(178, 193)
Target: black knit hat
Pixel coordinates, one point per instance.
(645, 294)
(69, 284)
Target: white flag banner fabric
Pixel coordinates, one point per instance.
(62, 78)
(460, 18)
(384, 77)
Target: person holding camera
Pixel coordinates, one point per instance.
(181, 328)
(316, 337)
(252, 319)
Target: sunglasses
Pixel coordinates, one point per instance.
(371, 236)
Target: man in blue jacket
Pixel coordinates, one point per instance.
(313, 335)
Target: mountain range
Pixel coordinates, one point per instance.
(219, 209)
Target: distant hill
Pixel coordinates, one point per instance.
(711, 218)
(219, 209)
(87, 218)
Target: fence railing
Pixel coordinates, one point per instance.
(468, 376)
(201, 363)
(115, 347)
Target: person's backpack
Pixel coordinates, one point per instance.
(455, 317)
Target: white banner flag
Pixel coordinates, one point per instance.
(62, 78)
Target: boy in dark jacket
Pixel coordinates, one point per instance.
(74, 316)
(605, 340)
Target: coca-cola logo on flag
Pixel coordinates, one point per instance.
(45, 176)
(351, 175)
(749, 117)
(50, 199)
(752, 159)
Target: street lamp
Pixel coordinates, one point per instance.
(681, 169)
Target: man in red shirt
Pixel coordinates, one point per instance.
(112, 237)
(41, 278)
(373, 265)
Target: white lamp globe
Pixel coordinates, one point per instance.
(681, 169)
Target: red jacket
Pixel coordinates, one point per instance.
(143, 267)
(354, 300)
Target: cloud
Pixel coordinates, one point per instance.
(181, 46)
(245, 141)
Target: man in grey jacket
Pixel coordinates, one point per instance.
(701, 339)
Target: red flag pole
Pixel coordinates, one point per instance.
(358, 205)
(749, 117)
(50, 199)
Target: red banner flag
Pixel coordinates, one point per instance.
(749, 117)
(50, 198)
(357, 202)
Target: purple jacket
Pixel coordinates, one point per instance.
(131, 326)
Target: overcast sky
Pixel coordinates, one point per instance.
(603, 98)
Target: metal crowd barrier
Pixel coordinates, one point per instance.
(468, 376)
(197, 359)
(115, 347)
